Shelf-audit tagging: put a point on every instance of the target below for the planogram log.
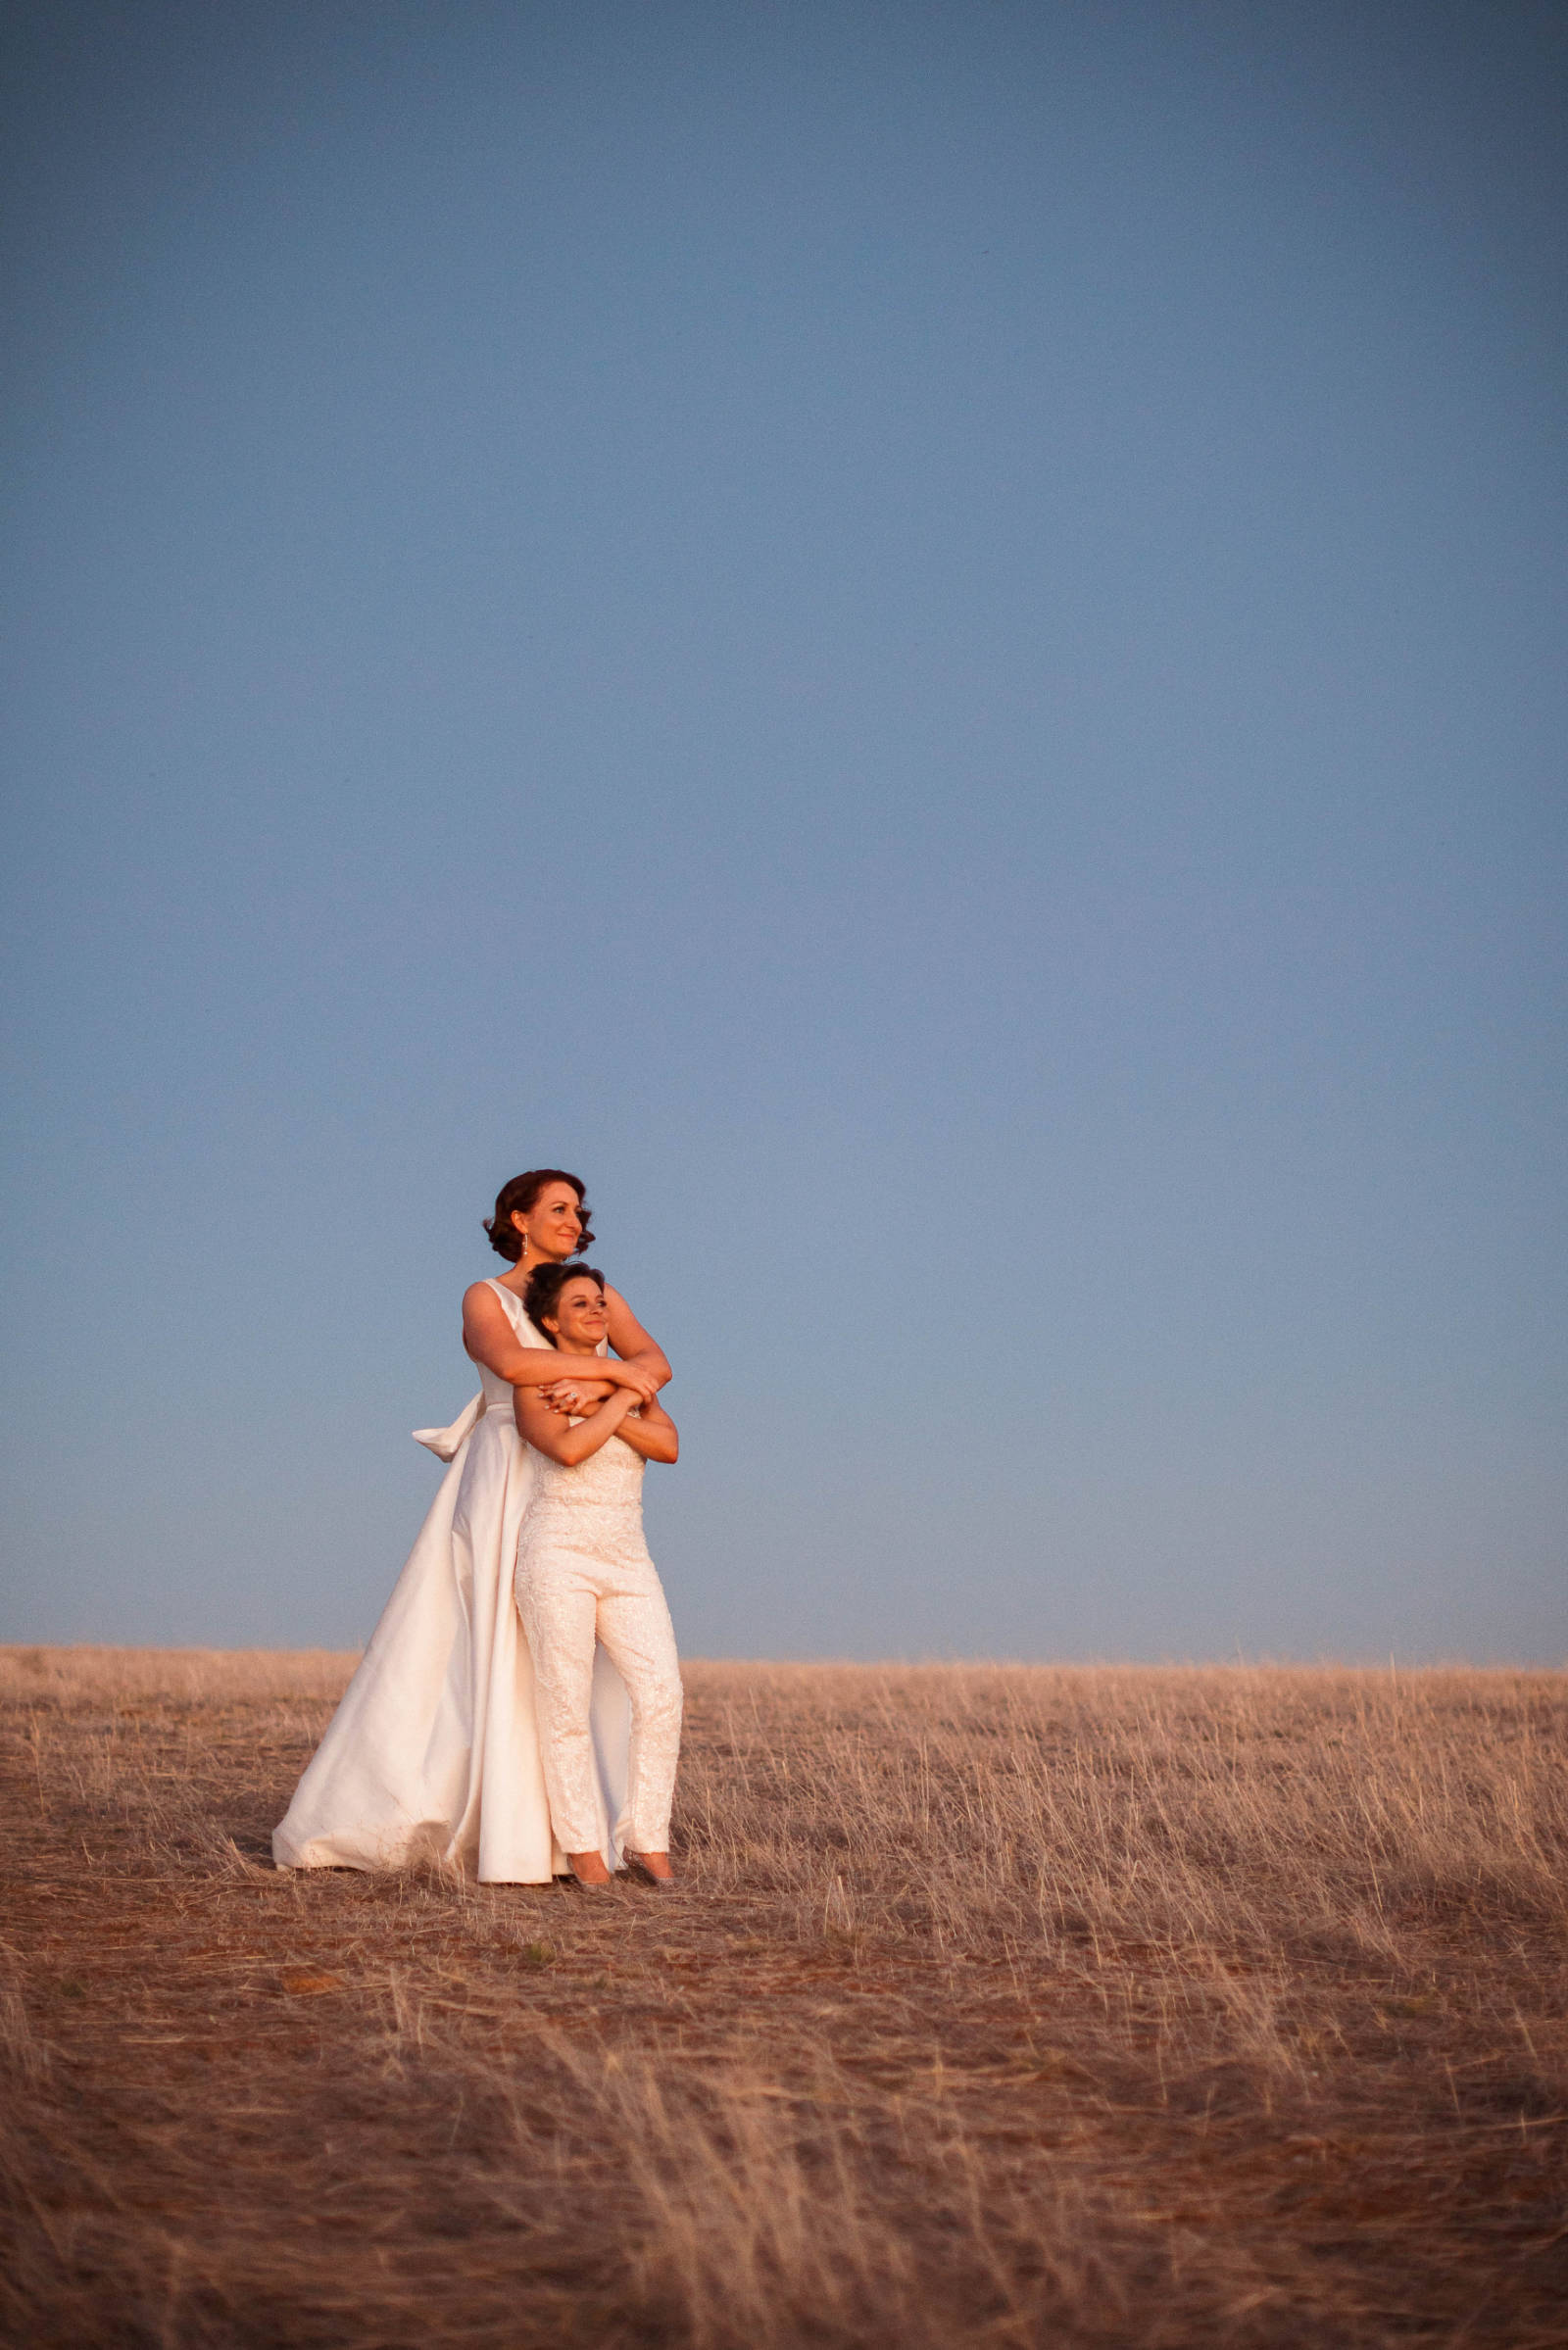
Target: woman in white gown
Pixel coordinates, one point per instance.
(434, 1751)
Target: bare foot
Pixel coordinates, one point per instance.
(589, 1870)
(652, 1865)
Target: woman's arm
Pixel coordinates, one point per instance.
(488, 1338)
(630, 1340)
(651, 1432)
(548, 1431)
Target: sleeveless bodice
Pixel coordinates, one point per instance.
(496, 1391)
(596, 1507)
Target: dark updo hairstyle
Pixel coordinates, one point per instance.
(544, 1290)
(519, 1196)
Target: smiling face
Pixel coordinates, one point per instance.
(577, 1323)
(552, 1226)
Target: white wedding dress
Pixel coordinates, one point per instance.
(434, 1751)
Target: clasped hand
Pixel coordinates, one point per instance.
(574, 1397)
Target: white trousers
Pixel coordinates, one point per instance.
(567, 1600)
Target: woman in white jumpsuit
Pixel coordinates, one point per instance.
(585, 1577)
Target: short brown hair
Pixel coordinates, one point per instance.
(544, 1285)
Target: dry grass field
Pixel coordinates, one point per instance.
(1002, 2006)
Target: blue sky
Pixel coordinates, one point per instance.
(926, 639)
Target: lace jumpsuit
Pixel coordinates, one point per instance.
(584, 1574)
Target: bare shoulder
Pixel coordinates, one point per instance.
(626, 1334)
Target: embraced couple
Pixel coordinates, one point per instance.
(517, 1712)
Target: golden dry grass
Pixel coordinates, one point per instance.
(1004, 2006)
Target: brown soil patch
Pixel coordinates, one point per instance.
(1002, 2006)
